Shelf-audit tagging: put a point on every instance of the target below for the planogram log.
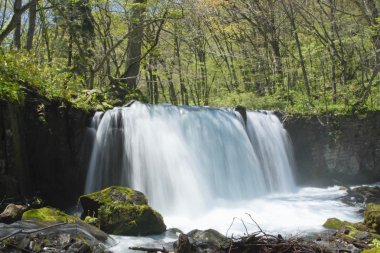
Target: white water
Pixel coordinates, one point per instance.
(292, 214)
(189, 159)
(203, 168)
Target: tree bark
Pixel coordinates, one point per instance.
(135, 39)
(17, 32)
(332, 49)
(290, 14)
(12, 24)
(31, 26)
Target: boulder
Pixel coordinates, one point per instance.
(183, 245)
(12, 213)
(333, 223)
(122, 211)
(209, 239)
(48, 214)
(372, 217)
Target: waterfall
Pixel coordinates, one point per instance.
(186, 158)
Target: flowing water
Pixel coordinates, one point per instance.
(186, 159)
(205, 168)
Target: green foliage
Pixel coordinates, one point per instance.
(20, 73)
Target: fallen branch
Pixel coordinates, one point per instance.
(163, 250)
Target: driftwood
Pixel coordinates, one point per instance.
(163, 250)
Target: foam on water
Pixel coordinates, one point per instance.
(293, 214)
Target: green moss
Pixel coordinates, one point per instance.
(130, 220)
(372, 216)
(122, 211)
(333, 223)
(116, 194)
(48, 214)
(92, 221)
(374, 250)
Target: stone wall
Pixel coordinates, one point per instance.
(336, 150)
(40, 146)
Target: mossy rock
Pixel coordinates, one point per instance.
(92, 221)
(374, 250)
(130, 220)
(48, 214)
(114, 195)
(122, 211)
(372, 217)
(333, 223)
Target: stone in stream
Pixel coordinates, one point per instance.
(12, 213)
(209, 239)
(122, 211)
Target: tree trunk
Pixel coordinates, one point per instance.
(290, 14)
(32, 26)
(17, 32)
(12, 23)
(135, 39)
(184, 93)
(332, 49)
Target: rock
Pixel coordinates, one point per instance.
(61, 238)
(243, 112)
(79, 247)
(209, 239)
(362, 195)
(183, 245)
(48, 214)
(372, 217)
(332, 223)
(12, 213)
(122, 211)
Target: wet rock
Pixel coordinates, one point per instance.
(45, 237)
(362, 195)
(122, 211)
(79, 247)
(372, 217)
(208, 239)
(12, 213)
(183, 245)
(243, 112)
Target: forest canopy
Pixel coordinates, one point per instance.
(307, 56)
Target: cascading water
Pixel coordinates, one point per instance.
(187, 159)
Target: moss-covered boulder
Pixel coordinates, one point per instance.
(122, 211)
(48, 214)
(333, 223)
(372, 217)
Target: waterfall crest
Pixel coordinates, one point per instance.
(186, 158)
